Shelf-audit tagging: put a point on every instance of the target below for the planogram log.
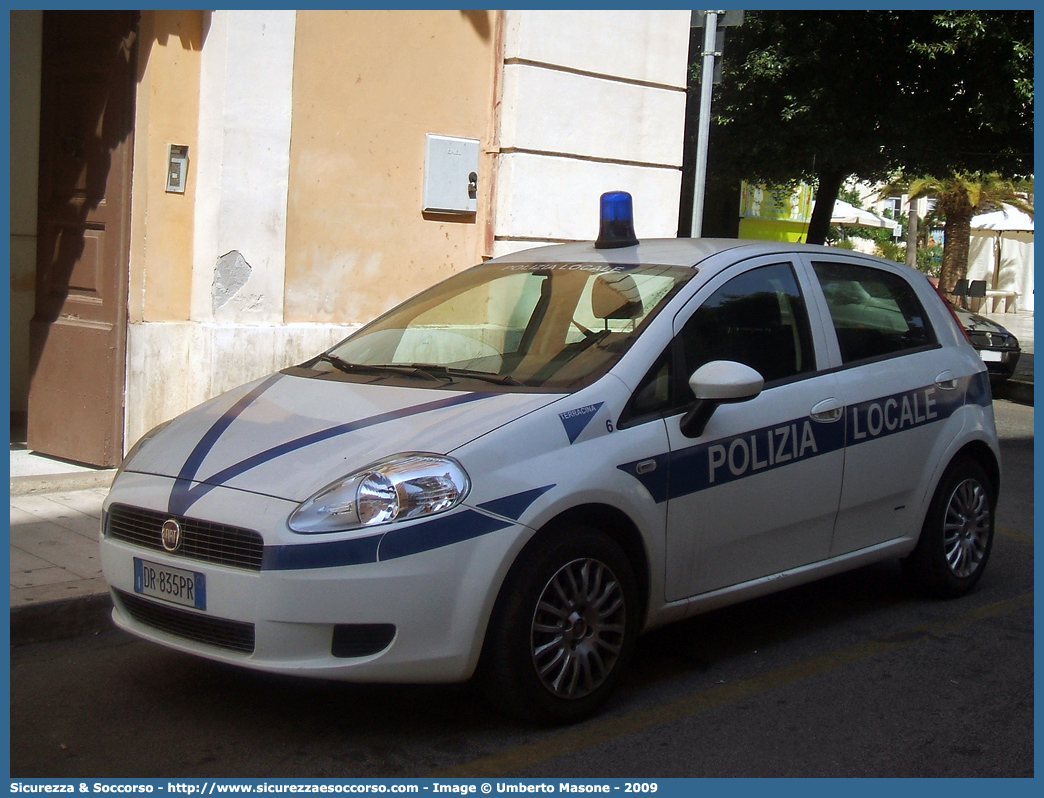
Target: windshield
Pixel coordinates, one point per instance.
(553, 327)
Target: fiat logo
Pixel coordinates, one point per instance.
(171, 535)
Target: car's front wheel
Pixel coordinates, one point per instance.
(563, 628)
(957, 535)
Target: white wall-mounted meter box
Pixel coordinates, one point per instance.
(450, 174)
(177, 168)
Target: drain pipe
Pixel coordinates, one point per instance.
(492, 150)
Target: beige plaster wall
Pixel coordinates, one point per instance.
(166, 112)
(368, 86)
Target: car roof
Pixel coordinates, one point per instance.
(661, 251)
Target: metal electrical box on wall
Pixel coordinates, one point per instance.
(450, 174)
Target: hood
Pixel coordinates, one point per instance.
(973, 321)
(288, 436)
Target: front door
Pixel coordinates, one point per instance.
(78, 332)
(757, 491)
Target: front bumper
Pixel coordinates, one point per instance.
(417, 616)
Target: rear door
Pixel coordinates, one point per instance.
(898, 387)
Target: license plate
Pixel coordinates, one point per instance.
(989, 356)
(187, 588)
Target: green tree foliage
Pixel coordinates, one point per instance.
(851, 196)
(821, 96)
(959, 198)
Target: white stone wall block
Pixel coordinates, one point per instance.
(243, 163)
(554, 199)
(565, 113)
(647, 46)
(593, 101)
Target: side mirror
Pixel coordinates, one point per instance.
(716, 383)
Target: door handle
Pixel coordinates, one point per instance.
(828, 411)
(946, 381)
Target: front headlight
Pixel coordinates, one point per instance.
(397, 488)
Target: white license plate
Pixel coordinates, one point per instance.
(991, 357)
(188, 588)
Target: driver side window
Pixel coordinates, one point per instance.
(757, 318)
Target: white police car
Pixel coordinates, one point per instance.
(520, 469)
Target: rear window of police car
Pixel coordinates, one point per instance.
(876, 313)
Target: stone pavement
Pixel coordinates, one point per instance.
(54, 546)
(57, 588)
(56, 585)
(1020, 387)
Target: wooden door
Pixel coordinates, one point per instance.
(78, 332)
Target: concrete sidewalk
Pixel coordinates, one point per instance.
(1020, 387)
(56, 585)
(57, 588)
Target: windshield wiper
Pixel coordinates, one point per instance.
(423, 371)
(418, 372)
(339, 363)
(485, 376)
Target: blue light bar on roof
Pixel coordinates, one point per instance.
(616, 221)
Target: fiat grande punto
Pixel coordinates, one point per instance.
(513, 474)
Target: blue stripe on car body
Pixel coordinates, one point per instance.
(890, 415)
(513, 506)
(179, 500)
(327, 554)
(438, 532)
(718, 462)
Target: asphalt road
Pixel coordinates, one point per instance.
(852, 676)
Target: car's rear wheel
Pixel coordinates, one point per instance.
(563, 628)
(957, 535)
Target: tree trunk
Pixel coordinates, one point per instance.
(957, 233)
(830, 183)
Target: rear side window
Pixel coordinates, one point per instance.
(876, 313)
